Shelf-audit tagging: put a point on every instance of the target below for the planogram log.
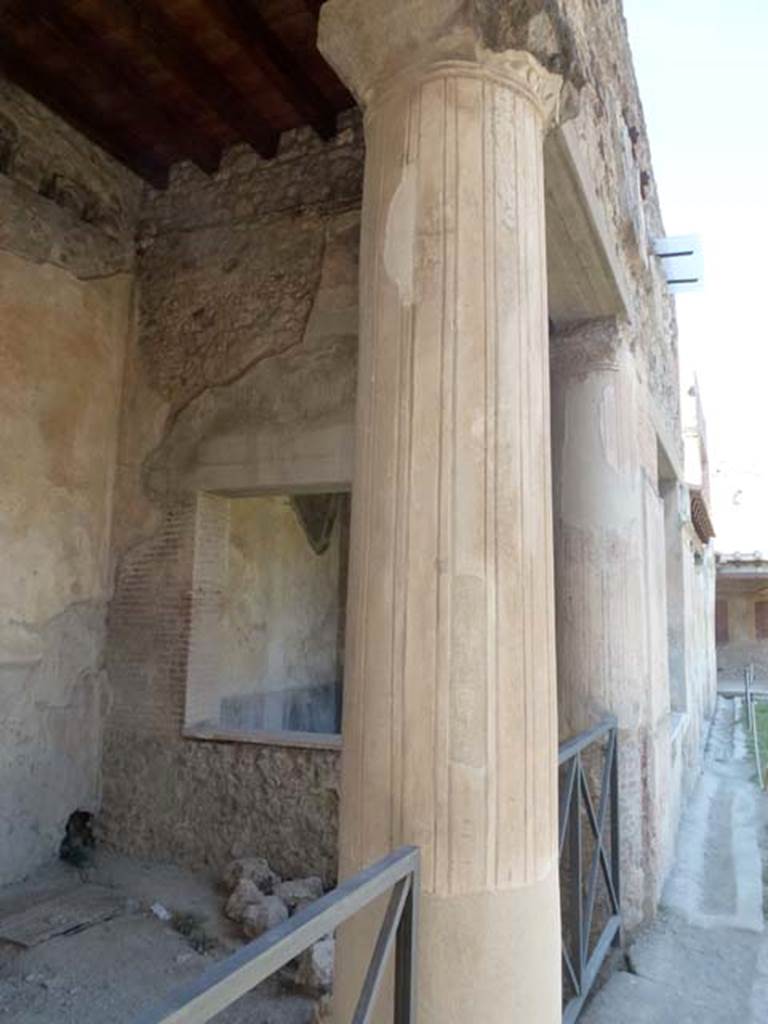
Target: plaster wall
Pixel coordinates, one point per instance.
(65, 309)
(675, 498)
(240, 381)
(691, 719)
(265, 627)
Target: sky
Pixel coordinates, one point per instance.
(702, 69)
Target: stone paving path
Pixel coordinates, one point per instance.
(705, 958)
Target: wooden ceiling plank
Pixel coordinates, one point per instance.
(245, 26)
(118, 23)
(190, 66)
(109, 63)
(67, 102)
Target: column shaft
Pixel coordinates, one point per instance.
(450, 705)
(610, 584)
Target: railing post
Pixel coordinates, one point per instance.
(576, 849)
(405, 956)
(615, 828)
(576, 803)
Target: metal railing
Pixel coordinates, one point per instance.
(225, 982)
(749, 682)
(749, 700)
(585, 761)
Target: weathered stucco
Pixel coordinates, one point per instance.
(65, 308)
(263, 652)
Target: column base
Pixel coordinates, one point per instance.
(492, 957)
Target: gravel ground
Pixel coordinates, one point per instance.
(109, 972)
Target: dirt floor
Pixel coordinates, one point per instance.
(114, 968)
(705, 958)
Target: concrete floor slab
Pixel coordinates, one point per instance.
(628, 999)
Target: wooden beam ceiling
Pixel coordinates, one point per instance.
(189, 65)
(158, 81)
(243, 24)
(155, 108)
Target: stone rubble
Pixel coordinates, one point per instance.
(259, 899)
(315, 971)
(245, 894)
(261, 915)
(298, 892)
(253, 869)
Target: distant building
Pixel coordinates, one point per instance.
(742, 615)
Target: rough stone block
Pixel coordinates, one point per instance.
(244, 895)
(299, 891)
(315, 973)
(263, 914)
(252, 869)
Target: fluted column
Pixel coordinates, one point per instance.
(450, 706)
(610, 586)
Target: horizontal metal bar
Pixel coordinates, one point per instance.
(228, 980)
(573, 746)
(575, 1005)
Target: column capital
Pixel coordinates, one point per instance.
(371, 43)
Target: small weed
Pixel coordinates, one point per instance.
(761, 722)
(193, 927)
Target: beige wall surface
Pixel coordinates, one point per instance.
(65, 308)
(690, 719)
(61, 344)
(266, 629)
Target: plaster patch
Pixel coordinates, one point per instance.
(400, 234)
(599, 496)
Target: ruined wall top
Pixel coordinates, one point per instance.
(64, 200)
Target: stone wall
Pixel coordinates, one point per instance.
(241, 380)
(66, 293)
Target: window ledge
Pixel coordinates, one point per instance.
(308, 740)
